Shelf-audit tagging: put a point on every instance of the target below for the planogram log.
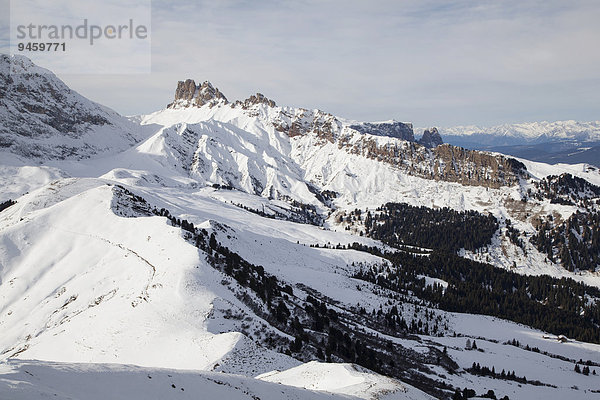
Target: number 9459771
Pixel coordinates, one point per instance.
(41, 46)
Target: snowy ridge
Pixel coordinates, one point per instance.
(63, 318)
(58, 294)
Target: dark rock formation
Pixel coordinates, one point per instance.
(394, 129)
(478, 168)
(431, 138)
(185, 90)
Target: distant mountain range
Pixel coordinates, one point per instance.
(568, 142)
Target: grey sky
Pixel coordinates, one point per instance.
(429, 62)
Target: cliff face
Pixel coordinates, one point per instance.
(40, 105)
(42, 117)
(443, 163)
(472, 167)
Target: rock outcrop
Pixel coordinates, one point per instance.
(188, 94)
(431, 138)
(185, 90)
(442, 163)
(255, 99)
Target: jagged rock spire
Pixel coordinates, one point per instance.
(188, 94)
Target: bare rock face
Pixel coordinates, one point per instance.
(431, 138)
(443, 163)
(185, 90)
(32, 96)
(188, 94)
(399, 130)
(477, 168)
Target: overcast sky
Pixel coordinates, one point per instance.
(433, 63)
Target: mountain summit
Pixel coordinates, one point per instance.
(190, 94)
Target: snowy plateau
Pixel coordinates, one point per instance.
(244, 250)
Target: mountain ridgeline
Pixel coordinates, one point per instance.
(391, 142)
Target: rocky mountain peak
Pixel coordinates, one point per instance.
(190, 94)
(431, 138)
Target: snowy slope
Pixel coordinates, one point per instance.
(106, 263)
(32, 380)
(102, 292)
(110, 294)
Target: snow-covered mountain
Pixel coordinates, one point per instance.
(43, 118)
(241, 249)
